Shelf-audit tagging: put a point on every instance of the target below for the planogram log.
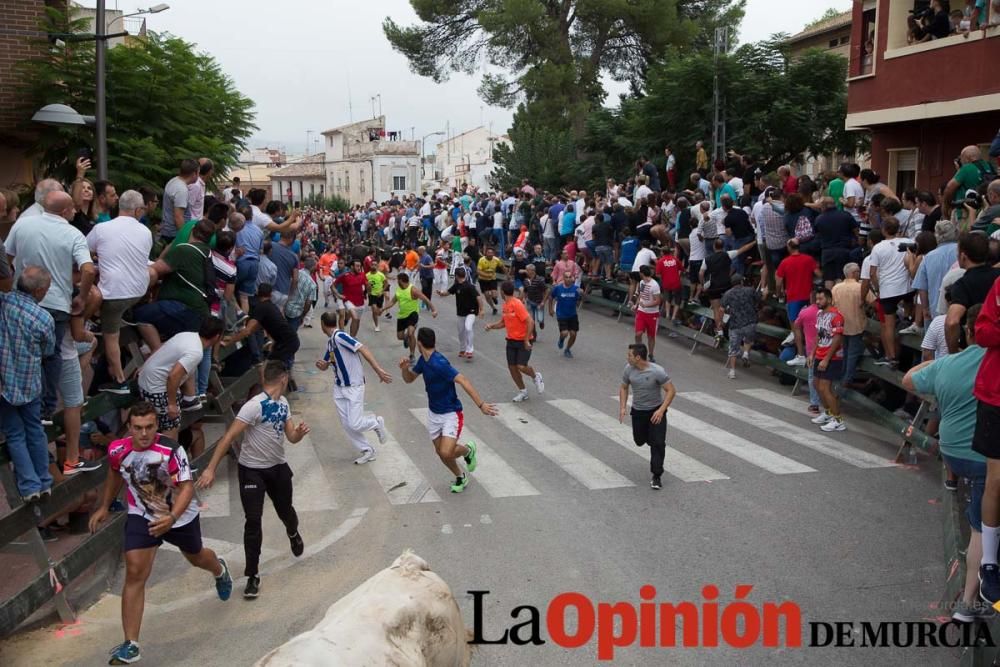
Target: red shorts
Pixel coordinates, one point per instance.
(646, 323)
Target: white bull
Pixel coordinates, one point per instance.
(404, 616)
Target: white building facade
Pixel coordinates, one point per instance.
(364, 162)
(467, 158)
(300, 181)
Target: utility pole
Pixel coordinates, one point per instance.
(101, 111)
(719, 125)
(308, 134)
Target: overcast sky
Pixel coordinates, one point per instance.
(314, 65)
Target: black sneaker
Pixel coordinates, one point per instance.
(989, 583)
(120, 388)
(190, 404)
(655, 483)
(253, 587)
(951, 484)
(46, 419)
(298, 546)
(884, 361)
(47, 535)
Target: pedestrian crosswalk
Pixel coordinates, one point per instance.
(727, 439)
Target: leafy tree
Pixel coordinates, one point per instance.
(776, 109)
(165, 102)
(830, 13)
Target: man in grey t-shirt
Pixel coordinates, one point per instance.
(652, 394)
(264, 422)
(175, 199)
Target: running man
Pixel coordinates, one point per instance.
(344, 354)
(487, 269)
(469, 305)
(445, 418)
(409, 298)
(827, 360)
(265, 421)
(376, 292)
(354, 285)
(161, 508)
(563, 301)
(519, 325)
(649, 409)
(647, 312)
(536, 292)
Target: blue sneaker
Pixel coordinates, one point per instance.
(117, 506)
(562, 341)
(567, 353)
(125, 653)
(224, 582)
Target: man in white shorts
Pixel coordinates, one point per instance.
(444, 418)
(355, 290)
(344, 354)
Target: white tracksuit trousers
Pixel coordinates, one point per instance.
(350, 402)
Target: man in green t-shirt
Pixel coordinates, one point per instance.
(376, 292)
(968, 177)
(182, 301)
(950, 381)
(835, 190)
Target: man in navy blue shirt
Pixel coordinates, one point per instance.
(444, 418)
(563, 301)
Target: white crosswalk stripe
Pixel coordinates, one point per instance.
(798, 405)
(214, 501)
(589, 471)
(728, 442)
(313, 492)
(399, 477)
(811, 439)
(675, 463)
(496, 475)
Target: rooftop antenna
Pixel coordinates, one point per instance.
(350, 102)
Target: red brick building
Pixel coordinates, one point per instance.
(922, 102)
(18, 31)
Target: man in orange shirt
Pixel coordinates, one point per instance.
(411, 262)
(326, 262)
(520, 329)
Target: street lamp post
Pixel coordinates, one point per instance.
(424, 138)
(100, 112)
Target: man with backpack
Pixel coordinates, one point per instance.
(975, 174)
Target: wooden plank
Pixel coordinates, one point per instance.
(16, 609)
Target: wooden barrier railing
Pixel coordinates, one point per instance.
(50, 582)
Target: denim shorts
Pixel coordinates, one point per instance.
(246, 275)
(605, 254)
(168, 317)
(975, 472)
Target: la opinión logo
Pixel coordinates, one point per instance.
(736, 623)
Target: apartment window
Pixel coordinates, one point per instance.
(399, 183)
(339, 184)
(312, 189)
(903, 169)
(362, 181)
(845, 39)
(833, 43)
(321, 189)
(347, 181)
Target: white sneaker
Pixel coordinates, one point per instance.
(521, 396)
(912, 329)
(835, 424)
(822, 418)
(789, 340)
(377, 329)
(369, 455)
(799, 360)
(380, 430)
(732, 373)
(539, 383)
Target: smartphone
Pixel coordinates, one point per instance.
(85, 153)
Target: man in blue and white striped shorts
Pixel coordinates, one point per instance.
(344, 354)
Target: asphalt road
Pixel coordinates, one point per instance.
(561, 503)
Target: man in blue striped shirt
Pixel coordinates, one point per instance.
(27, 335)
(344, 354)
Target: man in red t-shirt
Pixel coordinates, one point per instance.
(986, 440)
(668, 269)
(795, 278)
(354, 286)
(827, 360)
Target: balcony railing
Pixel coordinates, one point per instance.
(381, 147)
